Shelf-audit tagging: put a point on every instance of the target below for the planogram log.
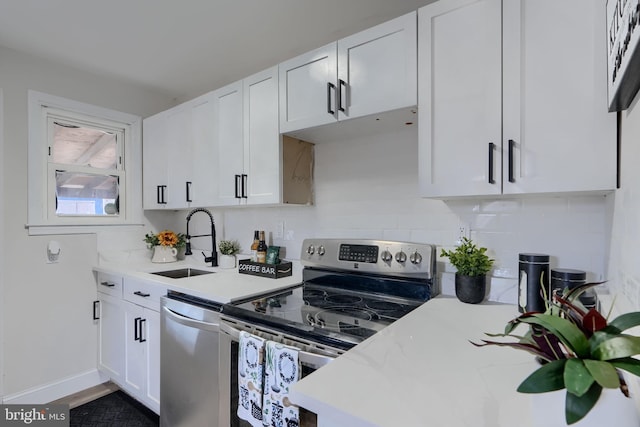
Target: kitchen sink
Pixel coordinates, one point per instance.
(182, 273)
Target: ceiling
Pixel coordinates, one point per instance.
(184, 48)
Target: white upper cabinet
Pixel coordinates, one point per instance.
(180, 156)
(308, 89)
(369, 72)
(155, 160)
(460, 109)
(229, 141)
(513, 98)
(201, 189)
(179, 166)
(555, 97)
(248, 140)
(377, 69)
(262, 141)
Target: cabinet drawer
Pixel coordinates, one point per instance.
(143, 293)
(110, 284)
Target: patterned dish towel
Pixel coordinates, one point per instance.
(281, 370)
(250, 373)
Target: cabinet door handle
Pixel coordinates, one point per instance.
(136, 328)
(512, 144)
(189, 192)
(244, 186)
(141, 294)
(160, 194)
(107, 284)
(96, 305)
(142, 339)
(238, 182)
(341, 84)
(491, 150)
(330, 87)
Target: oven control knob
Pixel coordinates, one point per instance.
(320, 250)
(415, 258)
(386, 256)
(401, 257)
(311, 249)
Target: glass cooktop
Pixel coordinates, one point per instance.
(325, 309)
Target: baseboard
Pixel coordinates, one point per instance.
(56, 390)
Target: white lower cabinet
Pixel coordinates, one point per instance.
(111, 350)
(142, 354)
(129, 338)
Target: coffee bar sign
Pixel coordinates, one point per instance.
(623, 49)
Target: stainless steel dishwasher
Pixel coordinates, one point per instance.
(189, 342)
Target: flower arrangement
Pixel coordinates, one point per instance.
(578, 348)
(165, 238)
(229, 247)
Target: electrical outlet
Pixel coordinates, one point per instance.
(464, 230)
(279, 230)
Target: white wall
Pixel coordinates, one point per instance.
(625, 235)
(368, 188)
(46, 308)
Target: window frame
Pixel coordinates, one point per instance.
(42, 218)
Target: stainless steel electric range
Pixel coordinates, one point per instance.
(350, 290)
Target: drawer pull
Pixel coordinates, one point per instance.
(107, 284)
(141, 294)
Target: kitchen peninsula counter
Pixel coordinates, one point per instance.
(423, 371)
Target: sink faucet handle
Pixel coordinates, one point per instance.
(207, 258)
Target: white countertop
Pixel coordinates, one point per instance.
(223, 286)
(422, 370)
(419, 371)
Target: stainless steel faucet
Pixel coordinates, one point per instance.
(213, 259)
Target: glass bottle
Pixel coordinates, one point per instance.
(254, 246)
(261, 251)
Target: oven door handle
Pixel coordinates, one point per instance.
(310, 359)
(187, 321)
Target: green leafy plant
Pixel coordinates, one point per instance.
(229, 247)
(579, 350)
(469, 259)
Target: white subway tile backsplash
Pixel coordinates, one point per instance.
(368, 188)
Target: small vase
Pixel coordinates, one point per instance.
(612, 408)
(164, 254)
(227, 261)
(471, 289)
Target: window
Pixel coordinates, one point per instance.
(78, 155)
(85, 165)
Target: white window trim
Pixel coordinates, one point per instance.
(38, 221)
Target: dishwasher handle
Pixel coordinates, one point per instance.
(187, 321)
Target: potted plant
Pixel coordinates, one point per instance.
(228, 249)
(472, 265)
(580, 351)
(165, 245)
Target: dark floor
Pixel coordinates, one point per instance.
(116, 409)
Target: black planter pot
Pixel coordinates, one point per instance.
(471, 289)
